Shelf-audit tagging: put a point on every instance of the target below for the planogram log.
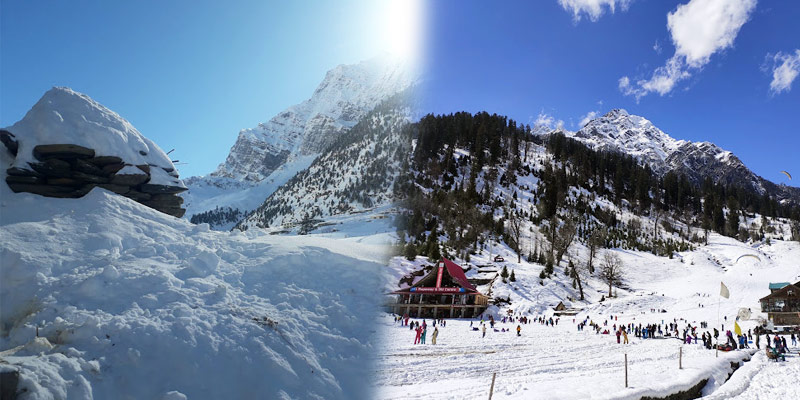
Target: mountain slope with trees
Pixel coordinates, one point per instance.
(479, 179)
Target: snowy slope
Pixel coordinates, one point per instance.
(620, 131)
(562, 363)
(267, 156)
(206, 194)
(131, 303)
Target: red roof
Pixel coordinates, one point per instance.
(458, 274)
(455, 271)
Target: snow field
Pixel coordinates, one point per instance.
(132, 303)
(545, 362)
(562, 363)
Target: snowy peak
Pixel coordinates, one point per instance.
(343, 97)
(618, 130)
(354, 175)
(632, 134)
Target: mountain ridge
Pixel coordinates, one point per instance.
(639, 137)
(267, 156)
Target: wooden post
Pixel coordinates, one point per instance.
(491, 389)
(626, 369)
(680, 358)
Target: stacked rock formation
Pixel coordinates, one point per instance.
(71, 171)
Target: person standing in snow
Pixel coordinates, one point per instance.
(624, 336)
(424, 332)
(419, 334)
(434, 335)
(618, 334)
(794, 340)
(483, 328)
(519, 330)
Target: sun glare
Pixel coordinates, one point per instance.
(403, 29)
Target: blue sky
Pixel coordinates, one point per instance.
(526, 58)
(187, 74)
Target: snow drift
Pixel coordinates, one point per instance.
(129, 302)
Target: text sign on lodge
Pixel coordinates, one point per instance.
(438, 289)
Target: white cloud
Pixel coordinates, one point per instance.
(699, 29)
(657, 47)
(592, 8)
(588, 117)
(544, 120)
(785, 68)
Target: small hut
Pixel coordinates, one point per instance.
(782, 305)
(445, 292)
(561, 310)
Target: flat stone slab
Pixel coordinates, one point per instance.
(48, 190)
(129, 179)
(9, 140)
(23, 179)
(88, 168)
(118, 189)
(46, 151)
(21, 172)
(53, 168)
(101, 161)
(161, 189)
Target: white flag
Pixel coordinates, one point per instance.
(723, 291)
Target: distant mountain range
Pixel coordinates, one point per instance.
(631, 134)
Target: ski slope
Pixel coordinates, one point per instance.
(562, 363)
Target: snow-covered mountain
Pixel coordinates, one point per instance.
(355, 174)
(268, 155)
(346, 94)
(620, 131)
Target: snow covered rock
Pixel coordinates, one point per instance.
(67, 144)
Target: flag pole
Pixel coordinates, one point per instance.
(716, 353)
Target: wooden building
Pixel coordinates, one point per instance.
(782, 305)
(445, 292)
(563, 311)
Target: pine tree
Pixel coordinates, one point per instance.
(548, 268)
(512, 278)
(410, 251)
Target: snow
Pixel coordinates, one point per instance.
(64, 116)
(130, 170)
(562, 363)
(761, 378)
(207, 193)
(550, 362)
(127, 300)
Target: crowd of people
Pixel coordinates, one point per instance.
(683, 330)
